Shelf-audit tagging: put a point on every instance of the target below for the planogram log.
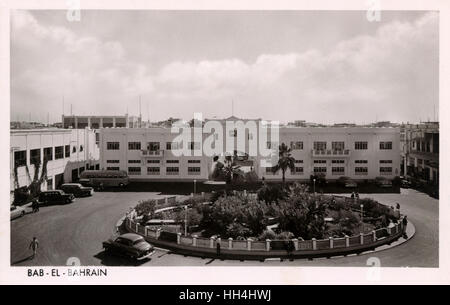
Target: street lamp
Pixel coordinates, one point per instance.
(185, 220)
(195, 186)
(362, 216)
(314, 186)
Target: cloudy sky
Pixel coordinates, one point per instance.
(283, 65)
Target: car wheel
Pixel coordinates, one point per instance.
(68, 200)
(121, 185)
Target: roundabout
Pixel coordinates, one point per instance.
(77, 230)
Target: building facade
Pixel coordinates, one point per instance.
(96, 122)
(420, 151)
(64, 153)
(361, 153)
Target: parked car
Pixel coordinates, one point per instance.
(405, 183)
(383, 182)
(17, 211)
(56, 196)
(129, 245)
(346, 182)
(77, 189)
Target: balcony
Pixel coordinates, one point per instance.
(152, 153)
(331, 153)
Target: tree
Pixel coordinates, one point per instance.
(302, 214)
(285, 161)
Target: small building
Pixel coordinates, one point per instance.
(420, 151)
(60, 153)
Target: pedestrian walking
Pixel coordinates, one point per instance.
(397, 206)
(34, 246)
(35, 206)
(357, 196)
(353, 195)
(405, 223)
(218, 249)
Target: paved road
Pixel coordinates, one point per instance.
(77, 230)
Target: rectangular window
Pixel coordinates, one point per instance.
(337, 145)
(337, 170)
(385, 161)
(172, 161)
(320, 169)
(112, 145)
(193, 170)
(153, 170)
(134, 161)
(112, 161)
(153, 161)
(194, 145)
(385, 170)
(269, 170)
(298, 171)
(338, 161)
(97, 138)
(360, 145)
(194, 161)
(172, 170)
(361, 161)
(134, 145)
(320, 161)
(361, 170)
(320, 145)
(173, 145)
(113, 168)
(59, 152)
(385, 145)
(297, 145)
(134, 170)
(298, 161)
(20, 158)
(153, 146)
(35, 156)
(48, 153)
(67, 151)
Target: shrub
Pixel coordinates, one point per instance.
(267, 234)
(271, 193)
(235, 230)
(285, 235)
(146, 209)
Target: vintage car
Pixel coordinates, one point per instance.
(346, 182)
(383, 182)
(77, 189)
(17, 211)
(129, 245)
(56, 196)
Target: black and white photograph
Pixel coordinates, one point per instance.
(255, 137)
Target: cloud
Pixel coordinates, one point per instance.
(392, 74)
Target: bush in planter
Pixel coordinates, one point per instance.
(235, 230)
(271, 193)
(285, 235)
(146, 209)
(348, 222)
(267, 234)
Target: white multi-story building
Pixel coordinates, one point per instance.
(63, 152)
(357, 152)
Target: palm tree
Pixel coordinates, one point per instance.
(285, 161)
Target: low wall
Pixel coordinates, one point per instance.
(259, 250)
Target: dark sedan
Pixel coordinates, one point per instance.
(77, 189)
(56, 196)
(129, 245)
